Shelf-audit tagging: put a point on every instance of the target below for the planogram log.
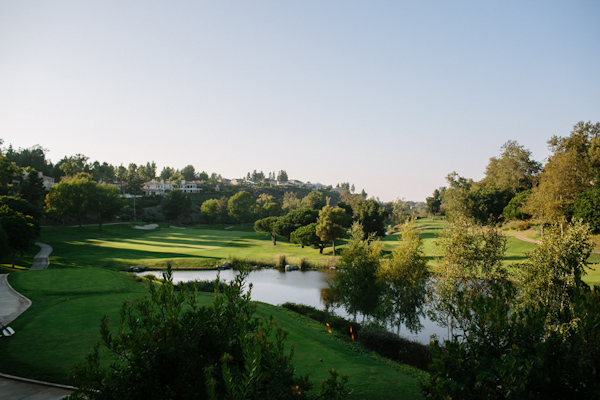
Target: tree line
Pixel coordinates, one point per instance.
(519, 190)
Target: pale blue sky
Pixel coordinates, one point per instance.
(389, 95)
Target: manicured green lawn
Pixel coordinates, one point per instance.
(119, 246)
(63, 324)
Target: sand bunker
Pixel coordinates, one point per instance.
(147, 227)
(177, 227)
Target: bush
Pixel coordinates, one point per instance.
(167, 347)
(282, 262)
(206, 286)
(394, 347)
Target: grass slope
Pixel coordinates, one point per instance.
(63, 324)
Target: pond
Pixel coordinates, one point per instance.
(276, 287)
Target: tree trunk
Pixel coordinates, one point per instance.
(274, 240)
(333, 241)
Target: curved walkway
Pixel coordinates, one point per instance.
(40, 261)
(13, 304)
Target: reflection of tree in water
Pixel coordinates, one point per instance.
(327, 299)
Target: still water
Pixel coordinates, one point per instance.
(276, 287)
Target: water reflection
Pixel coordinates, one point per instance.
(304, 287)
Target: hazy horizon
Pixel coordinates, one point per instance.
(390, 96)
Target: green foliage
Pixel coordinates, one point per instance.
(106, 202)
(514, 208)
(20, 230)
(307, 236)
(330, 224)
(33, 189)
(312, 200)
(394, 347)
(508, 353)
(168, 347)
(514, 171)
(209, 210)
(241, 206)
(71, 197)
(471, 259)
(486, 204)
(268, 226)
(553, 272)
(434, 203)
(372, 217)
(405, 275)
(586, 208)
(176, 206)
(356, 285)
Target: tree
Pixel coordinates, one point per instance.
(296, 219)
(471, 260)
(307, 236)
(241, 207)
(71, 197)
(282, 176)
(356, 285)
(167, 346)
(586, 207)
(290, 202)
(33, 189)
(486, 204)
(330, 224)
(32, 157)
(268, 226)
(405, 274)
(514, 208)
(222, 211)
(20, 230)
(166, 173)
(106, 202)
(514, 171)
(103, 172)
(176, 206)
(74, 165)
(147, 172)
(573, 167)
(434, 203)
(456, 196)
(554, 269)
(209, 210)
(312, 200)
(9, 171)
(371, 217)
(188, 172)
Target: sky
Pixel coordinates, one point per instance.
(391, 96)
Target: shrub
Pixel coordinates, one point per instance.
(282, 261)
(394, 347)
(168, 347)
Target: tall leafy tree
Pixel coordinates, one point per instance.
(20, 230)
(312, 200)
(241, 207)
(290, 201)
(32, 188)
(330, 224)
(106, 202)
(176, 206)
(188, 173)
(471, 260)
(71, 197)
(356, 285)
(434, 202)
(405, 274)
(209, 210)
(586, 207)
(9, 171)
(514, 171)
(268, 226)
(307, 236)
(371, 216)
(74, 165)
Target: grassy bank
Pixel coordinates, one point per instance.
(63, 324)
